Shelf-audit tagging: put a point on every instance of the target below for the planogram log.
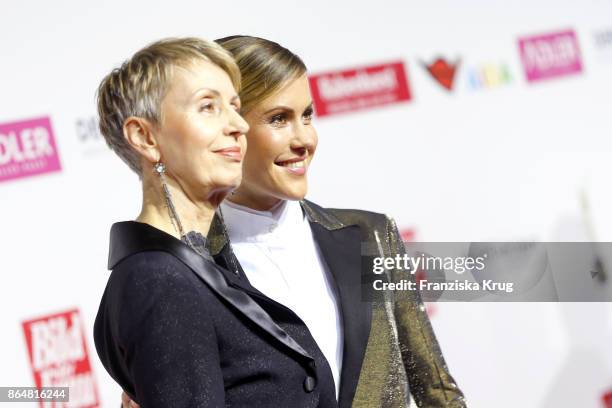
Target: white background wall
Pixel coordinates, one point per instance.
(494, 164)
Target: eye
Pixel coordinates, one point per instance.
(278, 119)
(307, 115)
(208, 106)
(236, 104)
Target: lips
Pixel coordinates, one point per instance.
(296, 165)
(233, 152)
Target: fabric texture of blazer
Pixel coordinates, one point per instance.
(176, 330)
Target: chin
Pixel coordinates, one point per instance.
(233, 181)
(226, 185)
(294, 194)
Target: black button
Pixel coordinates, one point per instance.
(309, 384)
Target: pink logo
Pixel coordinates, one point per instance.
(550, 55)
(361, 88)
(58, 356)
(27, 148)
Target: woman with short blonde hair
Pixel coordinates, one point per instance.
(172, 328)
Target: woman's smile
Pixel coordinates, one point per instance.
(234, 153)
(297, 165)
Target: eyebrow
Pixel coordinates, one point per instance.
(215, 92)
(284, 107)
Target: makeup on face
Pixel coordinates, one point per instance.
(282, 143)
(202, 136)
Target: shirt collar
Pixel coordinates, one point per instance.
(246, 224)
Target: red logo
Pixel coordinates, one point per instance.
(58, 356)
(360, 88)
(443, 72)
(407, 234)
(607, 399)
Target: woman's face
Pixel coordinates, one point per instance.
(282, 143)
(201, 135)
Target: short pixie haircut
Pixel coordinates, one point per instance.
(265, 67)
(139, 85)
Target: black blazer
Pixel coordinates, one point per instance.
(176, 330)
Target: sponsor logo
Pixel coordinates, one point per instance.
(59, 358)
(407, 234)
(487, 76)
(603, 45)
(550, 55)
(443, 72)
(89, 136)
(27, 148)
(603, 39)
(87, 130)
(607, 399)
(361, 88)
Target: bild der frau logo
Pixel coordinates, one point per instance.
(27, 148)
(59, 357)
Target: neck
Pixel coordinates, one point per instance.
(250, 201)
(194, 215)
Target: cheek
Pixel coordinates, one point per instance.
(263, 147)
(203, 133)
(315, 140)
(183, 138)
(174, 149)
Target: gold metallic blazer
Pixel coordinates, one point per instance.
(390, 350)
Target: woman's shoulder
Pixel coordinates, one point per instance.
(143, 256)
(348, 216)
(150, 276)
(153, 266)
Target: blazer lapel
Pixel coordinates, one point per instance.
(219, 247)
(133, 237)
(341, 249)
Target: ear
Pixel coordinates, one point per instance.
(140, 134)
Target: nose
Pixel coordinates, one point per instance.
(236, 125)
(304, 138)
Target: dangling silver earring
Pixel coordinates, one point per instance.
(160, 169)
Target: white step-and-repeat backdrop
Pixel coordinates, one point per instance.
(466, 121)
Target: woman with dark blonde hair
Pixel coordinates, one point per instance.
(302, 262)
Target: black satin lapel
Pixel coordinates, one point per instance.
(237, 278)
(237, 298)
(341, 249)
(133, 237)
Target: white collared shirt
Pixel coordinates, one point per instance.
(280, 258)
